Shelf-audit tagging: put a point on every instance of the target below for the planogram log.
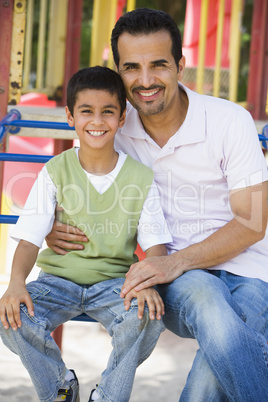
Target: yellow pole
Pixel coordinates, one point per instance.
(202, 46)
(131, 5)
(56, 44)
(104, 13)
(28, 43)
(17, 47)
(112, 22)
(94, 33)
(41, 45)
(4, 234)
(234, 48)
(217, 72)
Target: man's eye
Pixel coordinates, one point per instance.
(131, 67)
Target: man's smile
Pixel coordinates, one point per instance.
(148, 94)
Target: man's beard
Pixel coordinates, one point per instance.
(149, 110)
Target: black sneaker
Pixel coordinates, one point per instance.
(69, 392)
(91, 393)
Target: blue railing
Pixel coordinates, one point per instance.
(12, 123)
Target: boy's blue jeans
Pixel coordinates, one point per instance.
(58, 300)
(228, 315)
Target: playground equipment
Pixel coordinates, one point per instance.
(62, 45)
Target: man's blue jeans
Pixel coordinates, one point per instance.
(58, 300)
(228, 315)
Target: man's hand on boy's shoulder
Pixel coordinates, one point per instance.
(62, 237)
(151, 297)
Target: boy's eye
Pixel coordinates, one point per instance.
(108, 111)
(86, 111)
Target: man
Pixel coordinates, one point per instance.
(212, 179)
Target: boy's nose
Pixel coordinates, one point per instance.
(97, 119)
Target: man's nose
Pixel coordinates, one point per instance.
(146, 78)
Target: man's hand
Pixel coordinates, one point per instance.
(10, 305)
(153, 300)
(149, 272)
(62, 237)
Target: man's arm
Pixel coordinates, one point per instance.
(249, 207)
(62, 236)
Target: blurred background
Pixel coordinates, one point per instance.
(42, 44)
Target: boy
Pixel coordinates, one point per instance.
(110, 197)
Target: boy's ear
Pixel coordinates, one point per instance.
(122, 119)
(70, 119)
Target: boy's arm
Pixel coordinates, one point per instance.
(150, 296)
(23, 262)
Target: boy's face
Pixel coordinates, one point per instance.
(96, 118)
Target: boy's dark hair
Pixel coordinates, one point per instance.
(146, 21)
(99, 78)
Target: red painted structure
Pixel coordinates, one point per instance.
(258, 69)
(6, 17)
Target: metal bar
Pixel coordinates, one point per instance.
(235, 36)
(217, 73)
(202, 47)
(17, 50)
(41, 124)
(111, 25)
(83, 317)
(9, 219)
(28, 44)
(6, 19)
(41, 45)
(5, 122)
(25, 158)
(258, 62)
(131, 5)
(56, 46)
(73, 42)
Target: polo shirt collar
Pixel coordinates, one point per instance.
(193, 129)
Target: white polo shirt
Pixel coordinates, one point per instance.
(215, 150)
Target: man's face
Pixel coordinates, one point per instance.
(149, 71)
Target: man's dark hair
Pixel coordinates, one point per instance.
(146, 21)
(99, 78)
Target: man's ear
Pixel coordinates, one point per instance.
(70, 119)
(122, 119)
(181, 68)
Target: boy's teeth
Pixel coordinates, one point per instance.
(149, 93)
(96, 133)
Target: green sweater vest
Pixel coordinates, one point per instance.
(109, 220)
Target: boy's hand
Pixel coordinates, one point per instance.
(151, 297)
(10, 305)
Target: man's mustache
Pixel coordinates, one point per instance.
(141, 88)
